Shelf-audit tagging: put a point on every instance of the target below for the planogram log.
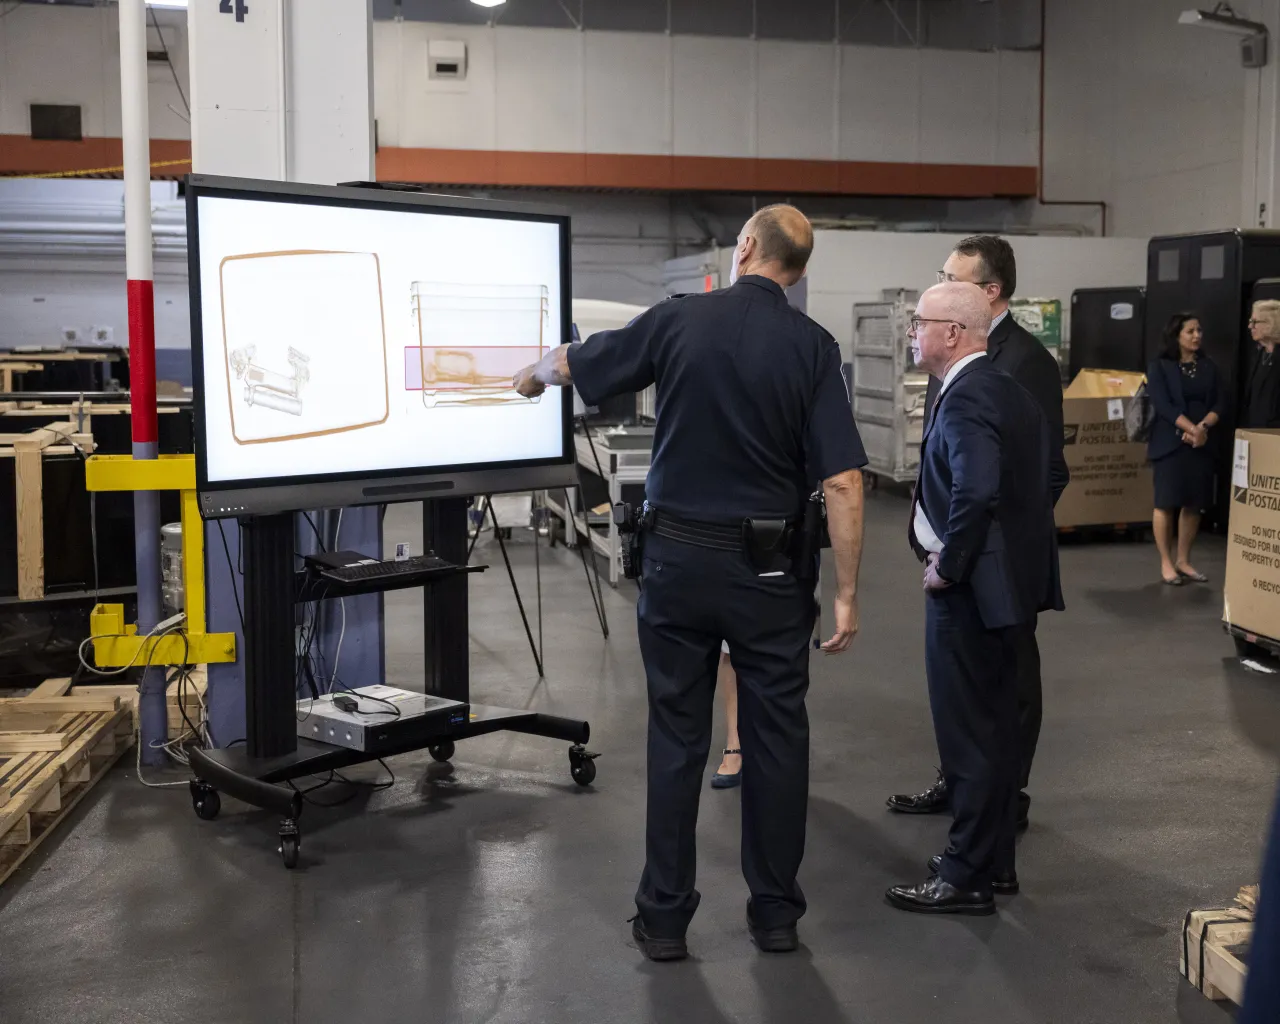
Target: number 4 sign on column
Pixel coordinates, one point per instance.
(241, 9)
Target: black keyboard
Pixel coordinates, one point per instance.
(385, 570)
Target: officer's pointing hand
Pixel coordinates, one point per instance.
(527, 384)
(846, 625)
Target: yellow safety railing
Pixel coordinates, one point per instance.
(115, 642)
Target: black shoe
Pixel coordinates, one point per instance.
(656, 948)
(934, 800)
(1005, 883)
(773, 940)
(938, 897)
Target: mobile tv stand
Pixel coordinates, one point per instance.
(273, 753)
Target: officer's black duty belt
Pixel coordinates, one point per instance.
(717, 536)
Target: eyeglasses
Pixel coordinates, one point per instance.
(1256, 323)
(945, 278)
(915, 322)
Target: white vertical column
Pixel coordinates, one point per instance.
(284, 91)
(236, 62)
(1260, 160)
(329, 90)
(135, 130)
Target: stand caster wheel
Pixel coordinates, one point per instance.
(442, 751)
(582, 765)
(205, 800)
(290, 844)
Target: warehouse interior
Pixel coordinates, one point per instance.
(182, 187)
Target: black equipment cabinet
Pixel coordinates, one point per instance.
(273, 753)
(1108, 329)
(1267, 288)
(1213, 275)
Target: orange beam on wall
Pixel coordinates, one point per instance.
(21, 154)
(467, 167)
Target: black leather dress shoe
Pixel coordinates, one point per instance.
(773, 940)
(656, 948)
(934, 800)
(1005, 883)
(938, 897)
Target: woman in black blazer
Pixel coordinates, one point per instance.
(1184, 390)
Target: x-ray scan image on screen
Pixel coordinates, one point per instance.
(343, 335)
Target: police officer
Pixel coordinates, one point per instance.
(752, 412)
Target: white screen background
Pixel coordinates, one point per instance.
(326, 313)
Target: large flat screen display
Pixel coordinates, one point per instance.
(353, 346)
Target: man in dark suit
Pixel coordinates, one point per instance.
(988, 262)
(982, 521)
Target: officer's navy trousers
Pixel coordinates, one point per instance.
(973, 694)
(693, 598)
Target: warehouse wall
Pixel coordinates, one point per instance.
(1145, 114)
(62, 256)
(557, 90)
(62, 262)
(55, 54)
(856, 266)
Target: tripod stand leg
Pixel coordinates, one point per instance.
(472, 546)
(515, 588)
(597, 590)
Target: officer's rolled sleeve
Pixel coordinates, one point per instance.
(615, 362)
(832, 442)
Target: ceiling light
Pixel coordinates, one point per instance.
(1224, 18)
(1253, 42)
(488, 3)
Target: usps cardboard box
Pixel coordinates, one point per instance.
(1251, 596)
(1110, 476)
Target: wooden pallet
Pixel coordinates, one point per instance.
(1214, 951)
(193, 704)
(53, 748)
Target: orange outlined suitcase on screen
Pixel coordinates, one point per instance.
(305, 347)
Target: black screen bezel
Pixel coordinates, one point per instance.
(198, 186)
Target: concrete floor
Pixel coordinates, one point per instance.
(498, 891)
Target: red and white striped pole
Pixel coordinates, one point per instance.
(136, 136)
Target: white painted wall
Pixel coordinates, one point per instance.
(54, 54)
(558, 90)
(1145, 114)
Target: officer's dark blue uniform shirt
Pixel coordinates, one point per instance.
(752, 409)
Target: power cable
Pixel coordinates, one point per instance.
(169, 60)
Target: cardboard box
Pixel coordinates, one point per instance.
(1110, 477)
(1251, 595)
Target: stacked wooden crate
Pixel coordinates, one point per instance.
(53, 748)
(28, 451)
(1214, 953)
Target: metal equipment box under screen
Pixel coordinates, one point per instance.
(888, 389)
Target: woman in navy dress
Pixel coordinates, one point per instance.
(1188, 400)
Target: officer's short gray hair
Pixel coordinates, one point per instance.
(784, 235)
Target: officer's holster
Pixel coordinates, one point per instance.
(768, 544)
